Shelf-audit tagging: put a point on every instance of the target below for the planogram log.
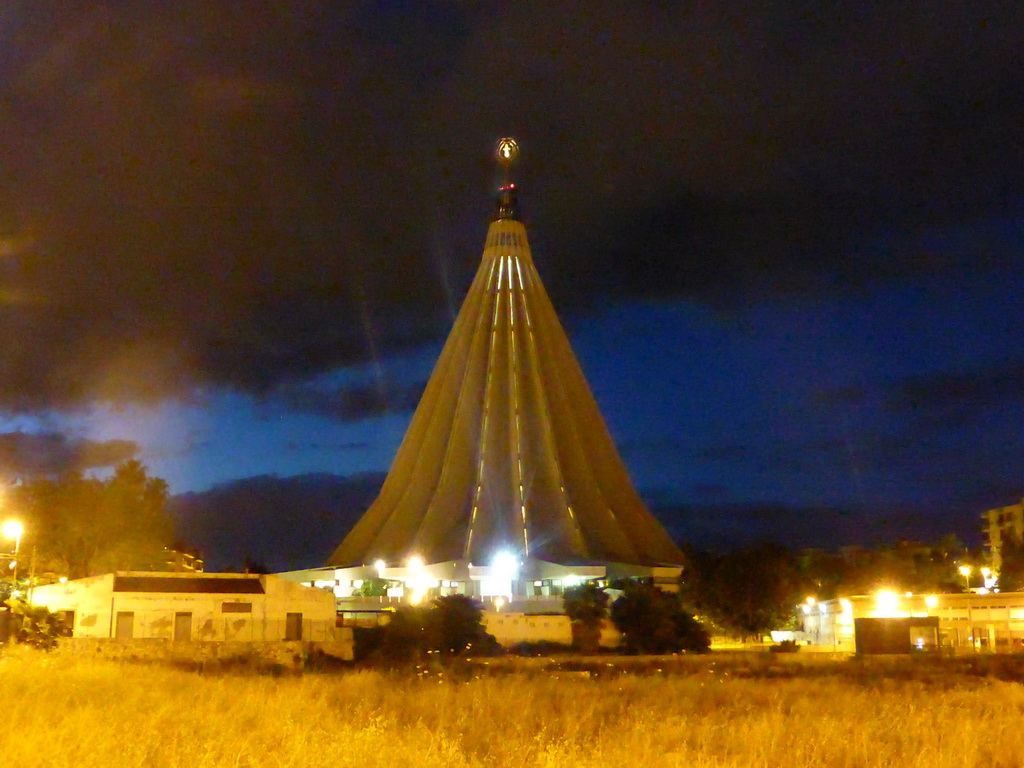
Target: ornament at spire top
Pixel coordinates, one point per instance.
(507, 152)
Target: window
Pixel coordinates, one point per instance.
(236, 608)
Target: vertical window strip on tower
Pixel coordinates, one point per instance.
(526, 309)
(514, 376)
(548, 436)
(486, 414)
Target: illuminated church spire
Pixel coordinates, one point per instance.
(507, 450)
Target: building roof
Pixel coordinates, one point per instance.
(507, 449)
(215, 584)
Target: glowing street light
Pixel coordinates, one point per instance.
(13, 529)
(965, 571)
(416, 581)
(989, 578)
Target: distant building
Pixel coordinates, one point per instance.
(190, 606)
(183, 561)
(993, 621)
(999, 525)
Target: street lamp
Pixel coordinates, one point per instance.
(13, 529)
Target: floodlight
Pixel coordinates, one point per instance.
(505, 565)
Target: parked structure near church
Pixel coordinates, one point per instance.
(507, 484)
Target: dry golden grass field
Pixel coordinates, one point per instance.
(62, 712)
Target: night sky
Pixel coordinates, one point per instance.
(786, 240)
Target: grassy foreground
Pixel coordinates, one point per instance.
(65, 712)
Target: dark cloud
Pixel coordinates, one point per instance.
(210, 193)
(353, 402)
(841, 396)
(243, 518)
(726, 452)
(953, 399)
(28, 454)
(297, 447)
(729, 526)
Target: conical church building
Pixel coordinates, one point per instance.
(507, 482)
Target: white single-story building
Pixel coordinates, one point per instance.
(979, 620)
(191, 606)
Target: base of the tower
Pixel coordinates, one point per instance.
(528, 586)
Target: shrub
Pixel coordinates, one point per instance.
(458, 626)
(35, 625)
(653, 621)
(786, 646)
(587, 608)
(451, 626)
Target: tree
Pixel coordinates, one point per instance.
(654, 621)
(372, 588)
(450, 626)
(35, 625)
(587, 608)
(83, 526)
(744, 593)
(1011, 568)
(458, 626)
(907, 566)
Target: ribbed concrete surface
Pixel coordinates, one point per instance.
(507, 449)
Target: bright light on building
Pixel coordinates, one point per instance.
(989, 577)
(379, 566)
(810, 601)
(931, 601)
(887, 604)
(499, 603)
(845, 617)
(505, 565)
(416, 563)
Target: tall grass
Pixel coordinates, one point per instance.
(64, 712)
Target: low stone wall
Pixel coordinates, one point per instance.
(285, 654)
